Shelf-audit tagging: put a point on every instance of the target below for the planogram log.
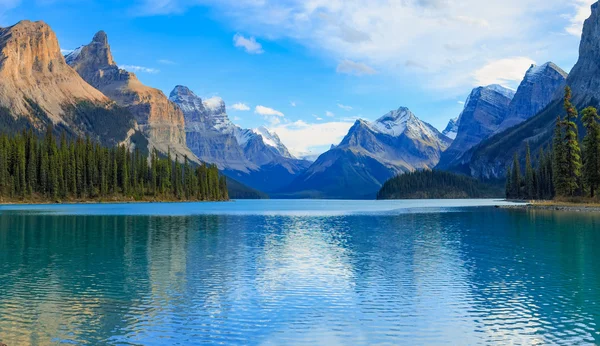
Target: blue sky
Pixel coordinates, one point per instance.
(309, 68)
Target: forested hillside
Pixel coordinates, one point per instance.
(36, 169)
(435, 184)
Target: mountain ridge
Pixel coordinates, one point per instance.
(370, 154)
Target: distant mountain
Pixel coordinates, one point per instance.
(370, 154)
(159, 119)
(584, 78)
(255, 157)
(485, 110)
(492, 157)
(452, 129)
(536, 91)
(38, 89)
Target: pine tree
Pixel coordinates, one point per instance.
(591, 150)
(529, 176)
(559, 163)
(572, 150)
(508, 188)
(516, 178)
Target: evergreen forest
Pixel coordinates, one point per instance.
(47, 168)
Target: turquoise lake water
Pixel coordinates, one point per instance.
(298, 273)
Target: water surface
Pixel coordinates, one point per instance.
(298, 273)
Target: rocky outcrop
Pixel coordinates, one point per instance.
(38, 88)
(451, 129)
(32, 67)
(485, 110)
(255, 157)
(491, 158)
(159, 119)
(536, 91)
(584, 78)
(370, 154)
(209, 132)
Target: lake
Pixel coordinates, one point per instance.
(298, 273)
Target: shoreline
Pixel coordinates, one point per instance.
(100, 201)
(553, 206)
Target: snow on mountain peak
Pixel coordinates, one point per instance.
(452, 129)
(214, 104)
(393, 123)
(509, 93)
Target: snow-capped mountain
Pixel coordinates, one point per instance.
(452, 129)
(535, 92)
(485, 110)
(370, 154)
(255, 157)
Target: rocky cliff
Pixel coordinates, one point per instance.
(492, 157)
(485, 110)
(536, 91)
(370, 154)
(255, 157)
(159, 119)
(38, 88)
(451, 129)
(584, 78)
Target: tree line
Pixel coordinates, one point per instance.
(428, 184)
(567, 168)
(34, 167)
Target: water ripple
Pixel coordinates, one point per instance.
(472, 276)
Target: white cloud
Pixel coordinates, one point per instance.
(166, 62)
(582, 12)
(503, 71)
(240, 107)
(344, 107)
(213, 103)
(271, 115)
(262, 110)
(301, 137)
(249, 44)
(354, 68)
(292, 103)
(135, 68)
(434, 44)
(329, 114)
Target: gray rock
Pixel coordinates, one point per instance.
(255, 157)
(369, 155)
(485, 110)
(584, 78)
(536, 91)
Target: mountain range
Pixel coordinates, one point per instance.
(370, 154)
(255, 157)
(86, 94)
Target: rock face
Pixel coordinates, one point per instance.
(584, 78)
(31, 66)
(255, 157)
(209, 133)
(485, 110)
(536, 91)
(452, 129)
(39, 88)
(159, 119)
(492, 157)
(369, 155)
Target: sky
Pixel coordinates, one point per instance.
(307, 69)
